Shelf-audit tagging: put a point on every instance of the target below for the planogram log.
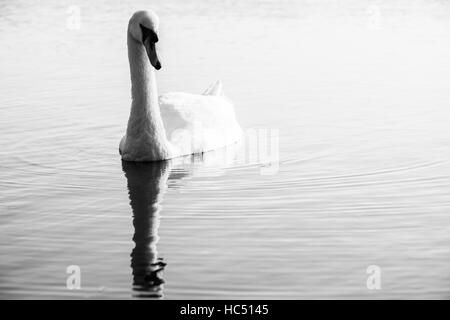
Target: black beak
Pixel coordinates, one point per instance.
(149, 38)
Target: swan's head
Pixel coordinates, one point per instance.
(143, 27)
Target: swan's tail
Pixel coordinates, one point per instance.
(214, 89)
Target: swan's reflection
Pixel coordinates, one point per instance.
(147, 183)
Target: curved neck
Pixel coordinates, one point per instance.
(145, 123)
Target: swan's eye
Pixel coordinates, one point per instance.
(148, 34)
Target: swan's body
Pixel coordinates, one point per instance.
(174, 124)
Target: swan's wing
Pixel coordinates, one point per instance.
(198, 123)
(215, 89)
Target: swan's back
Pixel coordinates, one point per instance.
(198, 123)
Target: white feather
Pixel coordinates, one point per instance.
(198, 123)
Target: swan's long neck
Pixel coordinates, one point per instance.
(145, 125)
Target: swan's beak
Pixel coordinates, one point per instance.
(149, 38)
(151, 52)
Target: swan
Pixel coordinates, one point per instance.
(174, 124)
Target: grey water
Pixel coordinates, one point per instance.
(357, 93)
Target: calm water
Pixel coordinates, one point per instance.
(358, 91)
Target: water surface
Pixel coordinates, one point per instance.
(358, 91)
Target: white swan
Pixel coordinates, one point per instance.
(178, 123)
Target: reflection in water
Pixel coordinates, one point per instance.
(147, 183)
